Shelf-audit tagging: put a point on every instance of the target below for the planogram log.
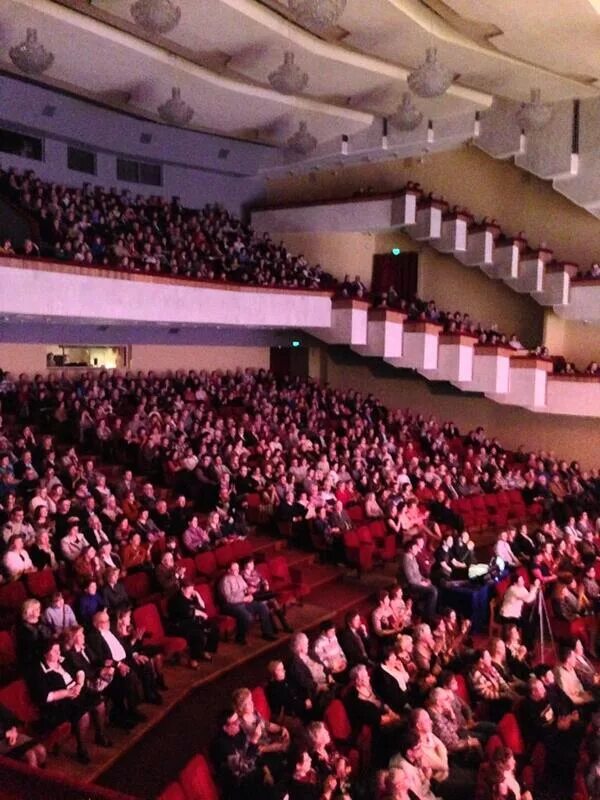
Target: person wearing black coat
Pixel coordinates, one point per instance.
(62, 697)
(188, 619)
(285, 698)
(389, 683)
(31, 636)
(354, 640)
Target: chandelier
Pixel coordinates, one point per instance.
(156, 16)
(288, 78)
(534, 115)
(30, 56)
(430, 79)
(317, 14)
(174, 110)
(407, 117)
(302, 142)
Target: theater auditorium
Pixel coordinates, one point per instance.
(299, 400)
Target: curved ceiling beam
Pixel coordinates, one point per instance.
(160, 56)
(334, 52)
(441, 29)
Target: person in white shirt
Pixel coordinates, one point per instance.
(328, 651)
(16, 561)
(516, 596)
(73, 544)
(503, 550)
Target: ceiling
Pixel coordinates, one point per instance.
(222, 51)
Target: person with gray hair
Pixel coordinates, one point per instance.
(307, 675)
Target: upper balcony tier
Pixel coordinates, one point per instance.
(49, 292)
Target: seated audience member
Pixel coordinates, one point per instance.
(365, 708)
(463, 713)
(114, 593)
(419, 587)
(16, 744)
(390, 681)
(239, 603)
(235, 756)
(41, 553)
(354, 640)
(73, 543)
(62, 697)
(124, 689)
(307, 676)
(497, 778)
(58, 616)
(568, 680)
(401, 609)
(90, 602)
(328, 652)
(326, 760)
(135, 555)
(16, 562)
(188, 619)
(285, 699)
(31, 635)
(445, 725)
(489, 685)
(195, 539)
(274, 740)
(504, 551)
(410, 761)
(168, 576)
(261, 591)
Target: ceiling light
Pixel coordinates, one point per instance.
(534, 115)
(288, 78)
(407, 117)
(302, 142)
(156, 16)
(30, 56)
(175, 111)
(430, 79)
(317, 14)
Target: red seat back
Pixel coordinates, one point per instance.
(15, 696)
(206, 564)
(190, 567)
(197, 781)
(147, 617)
(336, 719)
(8, 655)
(12, 595)
(173, 792)
(364, 535)
(261, 704)
(462, 690)
(224, 556)
(493, 743)
(279, 569)
(137, 585)
(510, 733)
(41, 584)
(241, 549)
(206, 593)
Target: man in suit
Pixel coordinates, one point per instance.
(354, 640)
(125, 690)
(419, 587)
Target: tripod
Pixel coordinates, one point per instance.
(544, 622)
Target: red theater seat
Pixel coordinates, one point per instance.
(147, 617)
(206, 564)
(41, 584)
(17, 699)
(197, 781)
(173, 792)
(226, 623)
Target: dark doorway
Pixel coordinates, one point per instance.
(292, 361)
(400, 271)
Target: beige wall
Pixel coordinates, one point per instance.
(17, 358)
(487, 187)
(576, 341)
(168, 357)
(338, 253)
(568, 437)
(455, 287)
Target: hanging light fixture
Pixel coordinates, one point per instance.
(302, 142)
(288, 78)
(30, 56)
(317, 14)
(156, 16)
(534, 115)
(407, 116)
(430, 79)
(175, 111)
